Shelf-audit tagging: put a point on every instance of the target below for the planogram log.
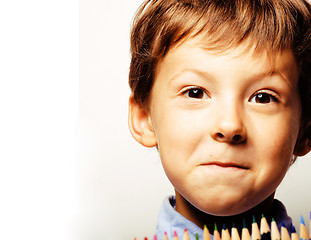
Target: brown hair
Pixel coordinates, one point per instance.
(270, 25)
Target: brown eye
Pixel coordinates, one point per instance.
(264, 98)
(196, 93)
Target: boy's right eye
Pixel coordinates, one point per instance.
(197, 93)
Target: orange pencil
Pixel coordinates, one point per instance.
(234, 233)
(255, 230)
(264, 229)
(245, 232)
(206, 235)
(216, 233)
(294, 235)
(225, 235)
(303, 230)
(284, 233)
(186, 235)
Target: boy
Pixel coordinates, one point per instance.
(222, 89)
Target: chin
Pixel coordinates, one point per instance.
(223, 208)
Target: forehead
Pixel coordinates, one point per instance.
(194, 54)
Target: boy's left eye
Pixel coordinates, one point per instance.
(263, 98)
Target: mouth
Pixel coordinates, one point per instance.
(225, 165)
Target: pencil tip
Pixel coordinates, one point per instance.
(301, 220)
(262, 215)
(254, 220)
(215, 227)
(175, 234)
(233, 224)
(293, 229)
(283, 224)
(244, 223)
(197, 236)
(224, 226)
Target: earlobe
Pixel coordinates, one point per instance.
(140, 124)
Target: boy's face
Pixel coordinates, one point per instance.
(225, 125)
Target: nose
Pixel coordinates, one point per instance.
(229, 126)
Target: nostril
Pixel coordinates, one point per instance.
(237, 138)
(220, 135)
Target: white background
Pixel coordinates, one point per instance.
(69, 168)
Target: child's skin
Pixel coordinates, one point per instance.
(225, 126)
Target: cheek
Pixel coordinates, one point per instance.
(274, 143)
(178, 138)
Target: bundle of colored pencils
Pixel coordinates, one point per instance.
(265, 232)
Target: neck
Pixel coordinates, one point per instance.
(201, 218)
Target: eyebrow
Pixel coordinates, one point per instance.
(255, 77)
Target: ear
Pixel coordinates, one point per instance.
(303, 144)
(140, 124)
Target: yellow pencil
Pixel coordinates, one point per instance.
(186, 235)
(275, 234)
(303, 230)
(245, 232)
(255, 230)
(234, 233)
(225, 235)
(284, 233)
(206, 235)
(264, 229)
(216, 233)
(294, 235)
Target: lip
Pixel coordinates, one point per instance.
(225, 165)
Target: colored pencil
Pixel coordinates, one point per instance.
(284, 233)
(294, 235)
(303, 230)
(165, 236)
(234, 233)
(196, 236)
(225, 235)
(155, 237)
(255, 230)
(186, 235)
(245, 232)
(264, 229)
(275, 234)
(175, 237)
(206, 235)
(216, 233)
